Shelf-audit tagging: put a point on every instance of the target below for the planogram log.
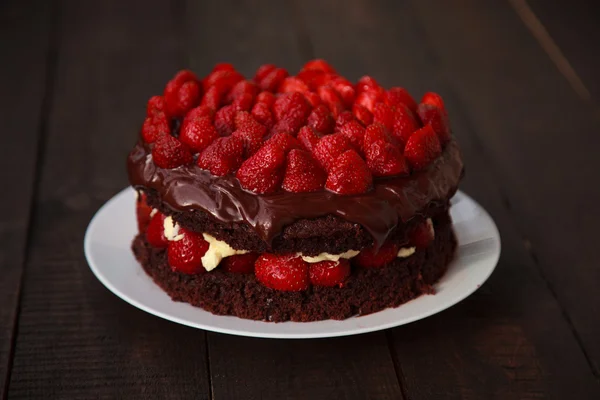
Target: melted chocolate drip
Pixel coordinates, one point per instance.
(392, 201)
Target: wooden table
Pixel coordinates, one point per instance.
(522, 87)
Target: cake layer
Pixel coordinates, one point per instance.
(366, 290)
(391, 203)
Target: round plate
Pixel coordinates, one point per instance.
(108, 251)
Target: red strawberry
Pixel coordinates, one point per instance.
(223, 156)
(284, 140)
(225, 120)
(398, 95)
(168, 152)
(315, 78)
(267, 98)
(251, 131)
(240, 89)
(198, 133)
(291, 115)
(156, 104)
(422, 234)
(263, 172)
(345, 90)
(243, 102)
(185, 255)
(435, 100)
(313, 99)
(367, 83)
(349, 175)
(213, 97)
(318, 65)
(263, 71)
(372, 258)
(329, 148)
(302, 173)
(239, 263)
(438, 120)
(355, 133)
(384, 114)
(384, 159)
(155, 233)
(273, 79)
(329, 273)
(155, 126)
(320, 120)
(223, 66)
(422, 148)
(182, 93)
(343, 119)
(282, 272)
(199, 112)
(368, 99)
(404, 124)
(262, 114)
(363, 115)
(331, 98)
(375, 132)
(224, 78)
(142, 212)
(308, 138)
(292, 84)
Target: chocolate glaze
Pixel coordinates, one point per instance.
(392, 201)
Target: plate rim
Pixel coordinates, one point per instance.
(277, 335)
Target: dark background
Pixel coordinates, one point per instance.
(520, 79)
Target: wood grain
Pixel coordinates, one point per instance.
(76, 339)
(24, 38)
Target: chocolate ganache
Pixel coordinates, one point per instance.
(392, 201)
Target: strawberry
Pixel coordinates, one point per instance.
(224, 78)
(223, 156)
(384, 114)
(345, 90)
(363, 115)
(284, 140)
(422, 148)
(312, 98)
(282, 272)
(343, 119)
(329, 148)
(155, 126)
(213, 97)
(329, 273)
(142, 212)
(349, 175)
(240, 89)
(397, 95)
(199, 112)
(168, 152)
(318, 65)
(198, 133)
(355, 133)
(435, 100)
(263, 71)
(320, 120)
(292, 84)
(308, 138)
(156, 104)
(243, 102)
(185, 255)
(438, 120)
(384, 159)
(291, 114)
(404, 124)
(224, 120)
(182, 93)
(267, 98)
(273, 79)
(373, 258)
(367, 83)
(262, 114)
(263, 172)
(332, 99)
(155, 233)
(223, 66)
(315, 78)
(302, 173)
(251, 131)
(375, 132)
(239, 263)
(368, 99)
(421, 234)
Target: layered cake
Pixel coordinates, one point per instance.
(300, 198)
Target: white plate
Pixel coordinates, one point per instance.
(107, 249)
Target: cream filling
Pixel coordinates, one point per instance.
(171, 230)
(217, 250)
(406, 252)
(153, 212)
(329, 257)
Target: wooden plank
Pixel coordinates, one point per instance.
(22, 79)
(537, 135)
(76, 339)
(352, 368)
(510, 339)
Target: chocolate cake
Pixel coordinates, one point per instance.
(297, 198)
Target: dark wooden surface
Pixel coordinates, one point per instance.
(522, 86)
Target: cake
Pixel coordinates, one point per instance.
(299, 198)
